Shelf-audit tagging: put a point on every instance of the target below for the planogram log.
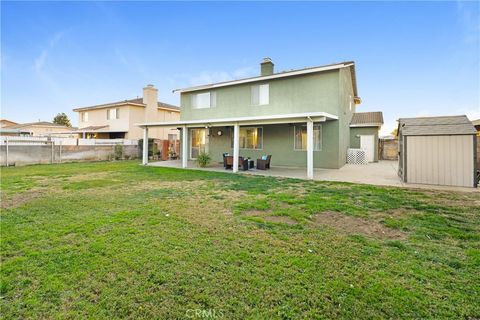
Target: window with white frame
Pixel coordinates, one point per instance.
(84, 116)
(260, 95)
(301, 137)
(250, 138)
(204, 100)
(113, 113)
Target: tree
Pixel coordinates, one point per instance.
(394, 132)
(62, 118)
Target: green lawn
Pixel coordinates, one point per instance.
(119, 240)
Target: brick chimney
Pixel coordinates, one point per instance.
(150, 98)
(266, 67)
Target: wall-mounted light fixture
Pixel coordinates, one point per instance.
(219, 132)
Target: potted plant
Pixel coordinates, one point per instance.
(203, 159)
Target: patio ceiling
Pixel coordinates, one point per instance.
(255, 120)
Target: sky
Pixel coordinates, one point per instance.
(412, 58)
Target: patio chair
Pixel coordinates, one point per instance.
(264, 164)
(242, 163)
(225, 154)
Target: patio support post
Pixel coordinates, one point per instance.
(184, 147)
(236, 144)
(310, 148)
(145, 146)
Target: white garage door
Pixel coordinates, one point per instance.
(367, 143)
(441, 160)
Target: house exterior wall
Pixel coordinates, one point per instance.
(129, 116)
(278, 141)
(305, 93)
(329, 91)
(40, 130)
(98, 117)
(346, 109)
(364, 131)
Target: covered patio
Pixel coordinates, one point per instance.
(382, 173)
(233, 126)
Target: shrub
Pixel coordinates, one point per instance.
(118, 152)
(203, 159)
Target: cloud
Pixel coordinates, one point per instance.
(40, 61)
(469, 19)
(40, 66)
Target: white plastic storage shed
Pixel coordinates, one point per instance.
(437, 150)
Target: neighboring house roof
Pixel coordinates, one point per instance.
(99, 129)
(39, 123)
(135, 102)
(7, 122)
(367, 119)
(10, 130)
(283, 74)
(431, 126)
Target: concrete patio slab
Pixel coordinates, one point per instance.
(382, 173)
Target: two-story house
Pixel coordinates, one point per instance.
(117, 119)
(302, 118)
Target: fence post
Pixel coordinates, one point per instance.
(60, 151)
(6, 151)
(53, 150)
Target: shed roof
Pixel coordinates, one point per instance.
(367, 119)
(432, 126)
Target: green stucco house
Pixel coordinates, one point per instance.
(303, 118)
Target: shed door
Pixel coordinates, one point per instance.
(368, 144)
(441, 160)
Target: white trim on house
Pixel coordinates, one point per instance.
(264, 78)
(366, 125)
(269, 119)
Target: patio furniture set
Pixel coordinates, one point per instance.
(247, 163)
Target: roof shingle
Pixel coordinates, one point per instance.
(365, 119)
(431, 126)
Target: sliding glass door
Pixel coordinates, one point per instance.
(198, 138)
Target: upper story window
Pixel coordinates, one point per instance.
(113, 113)
(301, 137)
(260, 95)
(204, 100)
(84, 116)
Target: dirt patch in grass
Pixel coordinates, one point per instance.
(280, 219)
(19, 199)
(354, 225)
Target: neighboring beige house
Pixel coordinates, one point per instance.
(39, 129)
(117, 119)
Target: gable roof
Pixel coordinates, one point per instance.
(39, 123)
(431, 126)
(367, 119)
(135, 102)
(283, 74)
(476, 122)
(8, 121)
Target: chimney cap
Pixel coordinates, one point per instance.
(150, 85)
(267, 60)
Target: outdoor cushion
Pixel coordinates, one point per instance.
(264, 157)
